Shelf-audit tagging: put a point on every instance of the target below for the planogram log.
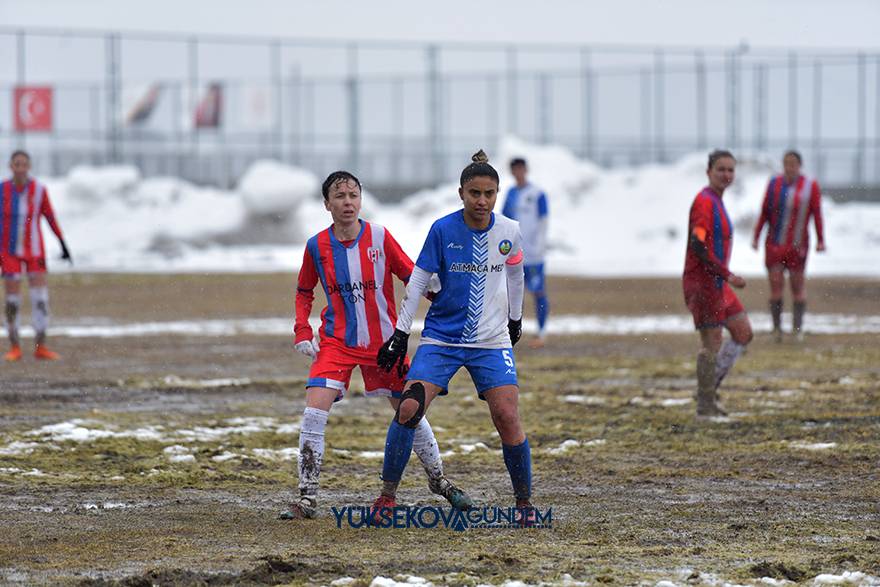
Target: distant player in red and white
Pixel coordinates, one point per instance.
(707, 285)
(355, 262)
(23, 203)
(791, 199)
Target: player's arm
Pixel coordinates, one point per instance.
(543, 224)
(816, 210)
(305, 297)
(507, 209)
(762, 219)
(47, 212)
(513, 269)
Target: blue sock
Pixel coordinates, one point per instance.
(542, 308)
(519, 465)
(398, 447)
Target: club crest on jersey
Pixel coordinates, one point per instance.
(505, 246)
(373, 254)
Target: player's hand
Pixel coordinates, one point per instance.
(309, 348)
(65, 253)
(755, 244)
(393, 352)
(514, 328)
(736, 281)
(820, 247)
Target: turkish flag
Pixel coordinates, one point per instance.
(33, 108)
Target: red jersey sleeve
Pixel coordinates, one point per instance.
(701, 229)
(305, 296)
(816, 211)
(46, 210)
(765, 213)
(400, 263)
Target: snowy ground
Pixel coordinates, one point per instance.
(628, 221)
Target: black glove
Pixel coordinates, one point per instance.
(393, 352)
(514, 327)
(65, 253)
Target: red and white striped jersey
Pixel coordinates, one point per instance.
(787, 209)
(21, 208)
(357, 280)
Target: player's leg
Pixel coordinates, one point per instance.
(38, 286)
(12, 307)
(328, 381)
(776, 275)
(390, 384)
(706, 304)
(737, 323)
(797, 281)
(534, 278)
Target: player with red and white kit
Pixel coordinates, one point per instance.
(355, 262)
(23, 203)
(707, 282)
(789, 202)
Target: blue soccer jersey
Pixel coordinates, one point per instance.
(471, 308)
(528, 206)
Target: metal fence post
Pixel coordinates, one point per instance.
(732, 101)
(544, 109)
(792, 100)
(193, 47)
(588, 128)
(512, 83)
(112, 88)
(277, 76)
(818, 156)
(645, 114)
(760, 106)
(659, 106)
(20, 76)
(862, 118)
(702, 99)
(435, 105)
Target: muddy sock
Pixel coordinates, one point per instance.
(13, 304)
(398, 448)
(797, 321)
(518, 460)
(40, 312)
(426, 448)
(727, 356)
(705, 380)
(776, 314)
(311, 450)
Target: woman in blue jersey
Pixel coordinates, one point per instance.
(473, 323)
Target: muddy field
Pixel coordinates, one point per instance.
(166, 459)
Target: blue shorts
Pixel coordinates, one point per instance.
(488, 367)
(534, 277)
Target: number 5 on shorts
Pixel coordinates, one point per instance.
(508, 360)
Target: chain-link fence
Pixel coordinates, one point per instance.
(405, 115)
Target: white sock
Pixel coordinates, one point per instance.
(426, 448)
(311, 450)
(727, 356)
(40, 310)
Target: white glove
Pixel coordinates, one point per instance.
(309, 348)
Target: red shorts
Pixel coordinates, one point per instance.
(333, 366)
(710, 306)
(13, 266)
(786, 256)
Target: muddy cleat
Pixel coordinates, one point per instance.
(526, 515)
(304, 508)
(777, 335)
(44, 354)
(455, 496)
(14, 354)
(710, 410)
(383, 502)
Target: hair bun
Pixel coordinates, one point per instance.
(480, 157)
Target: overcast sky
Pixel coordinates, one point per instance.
(773, 23)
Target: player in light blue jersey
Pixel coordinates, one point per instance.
(473, 322)
(527, 204)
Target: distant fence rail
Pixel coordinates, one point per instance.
(410, 114)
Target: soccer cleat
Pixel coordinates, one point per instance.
(304, 508)
(455, 496)
(777, 335)
(44, 354)
(799, 337)
(382, 502)
(14, 354)
(526, 516)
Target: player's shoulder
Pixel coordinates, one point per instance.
(450, 220)
(313, 240)
(505, 224)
